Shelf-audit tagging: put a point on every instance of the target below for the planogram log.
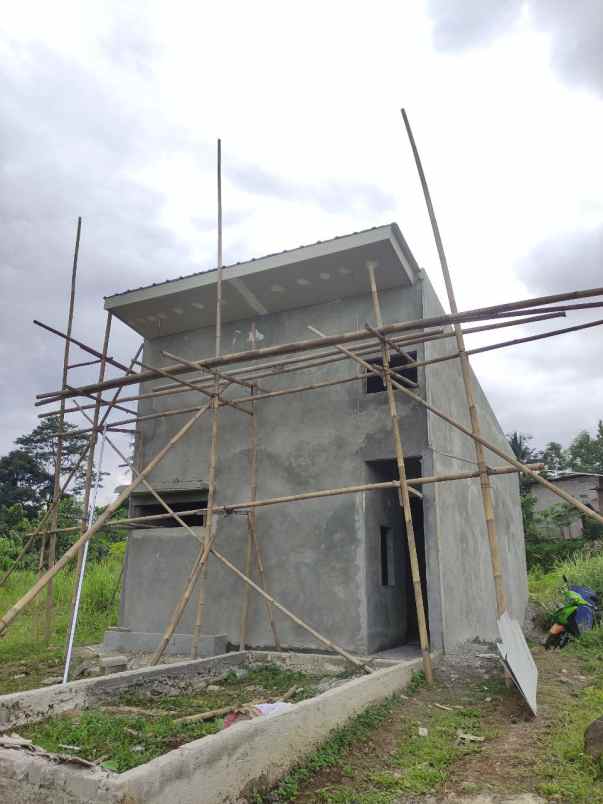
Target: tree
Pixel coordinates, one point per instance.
(24, 482)
(519, 444)
(585, 453)
(41, 446)
(554, 457)
(524, 453)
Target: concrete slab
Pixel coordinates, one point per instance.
(220, 768)
(123, 639)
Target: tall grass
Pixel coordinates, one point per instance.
(98, 609)
(584, 569)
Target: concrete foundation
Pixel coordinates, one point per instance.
(180, 645)
(219, 768)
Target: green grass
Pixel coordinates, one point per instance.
(417, 766)
(123, 741)
(582, 569)
(265, 682)
(120, 743)
(23, 646)
(357, 731)
(564, 771)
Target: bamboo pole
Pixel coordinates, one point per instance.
(251, 517)
(255, 372)
(56, 492)
(390, 484)
(195, 387)
(88, 513)
(253, 546)
(482, 313)
(500, 345)
(211, 523)
(403, 491)
(272, 370)
(340, 381)
(82, 346)
(521, 467)
(259, 563)
(18, 607)
(486, 488)
(331, 645)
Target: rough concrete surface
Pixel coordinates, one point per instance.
(323, 557)
(216, 769)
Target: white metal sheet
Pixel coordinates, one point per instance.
(516, 654)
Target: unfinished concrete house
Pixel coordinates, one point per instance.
(339, 562)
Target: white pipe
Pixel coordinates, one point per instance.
(80, 580)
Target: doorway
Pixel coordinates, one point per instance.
(392, 619)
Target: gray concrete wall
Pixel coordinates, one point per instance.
(314, 552)
(466, 583)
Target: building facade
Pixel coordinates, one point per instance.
(340, 563)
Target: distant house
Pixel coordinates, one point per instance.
(586, 486)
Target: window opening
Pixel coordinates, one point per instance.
(146, 505)
(374, 382)
(387, 557)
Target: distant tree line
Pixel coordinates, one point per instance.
(541, 528)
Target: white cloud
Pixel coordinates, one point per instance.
(112, 111)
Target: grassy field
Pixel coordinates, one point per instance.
(380, 757)
(120, 741)
(25, 658)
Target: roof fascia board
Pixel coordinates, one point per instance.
(389, 232)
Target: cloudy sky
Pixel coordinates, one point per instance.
(111, 111)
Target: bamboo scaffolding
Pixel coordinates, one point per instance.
(72, 474)
(18, 607)
(486, 488)
(500, 345)
(298, 621)
(211, 521)
(82, 346)
(354, 378)
(482, 313)
(522, 467)
(435, 334)
(195, 387)
(58, 465)
(403, 490)
(235, 507)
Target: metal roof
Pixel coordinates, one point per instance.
(304, 276)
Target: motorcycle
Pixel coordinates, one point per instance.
(579, 613)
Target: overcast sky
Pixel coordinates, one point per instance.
(111, 111)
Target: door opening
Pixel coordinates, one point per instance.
(392, 607)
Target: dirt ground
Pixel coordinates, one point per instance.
(510, 761)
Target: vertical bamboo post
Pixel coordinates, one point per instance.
(56, 492)
(403, 492)
(87, 515)
(210, 523)
(251, 517)
(252, 541)
(262, 580)
(486, 489)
